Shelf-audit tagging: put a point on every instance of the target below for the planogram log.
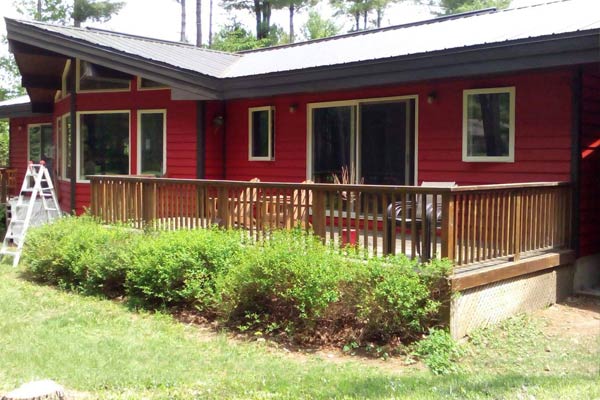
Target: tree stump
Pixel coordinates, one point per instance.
(38, 390)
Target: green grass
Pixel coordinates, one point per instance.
(100, 348)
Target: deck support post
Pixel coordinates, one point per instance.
(318, 214)
(448, 225)
(517, 233)
(149, 203)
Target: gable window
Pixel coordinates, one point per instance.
(148, 84)
(489, 125)
(103, 143)
(94, 78)
(261, 133)
(151, 142)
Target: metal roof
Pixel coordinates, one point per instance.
(180, 55)
(16, 107)
(430, 36)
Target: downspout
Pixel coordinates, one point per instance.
(200, 139)
(73, 148)
(576, 91)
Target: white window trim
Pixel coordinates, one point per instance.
(79, 90)
(79, 158)
(31, 126)
(143, 89)
(357, 103)
(139, 138)
(271, 153)
(511, 127)
(63, 147)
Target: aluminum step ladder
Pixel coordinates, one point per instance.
(37, 184)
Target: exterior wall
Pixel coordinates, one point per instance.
(181, 131)
(542, 131)
(589, 214)
(18, 143)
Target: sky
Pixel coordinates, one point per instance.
(161, 18)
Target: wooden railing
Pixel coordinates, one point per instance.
(7, 183)
(469, 224)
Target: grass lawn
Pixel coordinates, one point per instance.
(99, 349)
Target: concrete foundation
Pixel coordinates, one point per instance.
(587, 275)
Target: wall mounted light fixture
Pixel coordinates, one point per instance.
(218, 120)
(293, 108)
(431, 97)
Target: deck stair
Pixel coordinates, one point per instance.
(37, 184)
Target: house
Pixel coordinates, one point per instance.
(486, 97)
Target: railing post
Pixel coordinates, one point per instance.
(318, 213)
(4, 186)
(94, 197)
(517, 235)
(448, 235)
(149, 202)
(222, 207)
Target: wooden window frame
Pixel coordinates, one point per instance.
(143, 89)
(511, 90)
(271, 134)
(79, 90)
(139, 138)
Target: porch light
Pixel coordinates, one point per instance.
(218, 120)
(293, 108)
(431, 97)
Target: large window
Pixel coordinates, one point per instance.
(261, 133)
(151, 142)
(92, 77)
(40, 142)
(373, 138)
(103, 143)
(489, 125)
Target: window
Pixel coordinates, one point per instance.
(374, 139)
(92, 77)
(261, 135)
(103, 143)
(148, 84)
(151, 142)
(65, 169)
(40, 143)
(489, 125)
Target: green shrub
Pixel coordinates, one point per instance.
(178, 268)
(290, 278)
(439, 352)
(397, 297)
(79, 254)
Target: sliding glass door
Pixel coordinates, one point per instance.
(373, 139)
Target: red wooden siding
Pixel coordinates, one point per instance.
(589, 214)
(542, 131)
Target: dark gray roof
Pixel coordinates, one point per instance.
(563, 32)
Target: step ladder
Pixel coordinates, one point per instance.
(36, 185)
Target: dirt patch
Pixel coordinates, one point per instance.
(577, 317)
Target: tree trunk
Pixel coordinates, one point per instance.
(379, 17)
(357, 19)
(292, 9)
(266, 25)
(199, 23)
(38, 15)
(258, 15)
(183, 17)
(210, 23)
(365, 20)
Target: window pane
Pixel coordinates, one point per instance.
(150, 84)
(260, 133)
(152, 133)
(104, 144)
(488, 125)
(67, 146)
(333, 129)
(35, 144)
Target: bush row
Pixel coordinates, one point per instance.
(290, 284)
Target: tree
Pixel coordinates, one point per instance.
(293, 6)
(95, 10)
(234, 37)
(458, 6)
(360, 10)
(182, 38)
(318, 27)
(261, 10)
(198, 23)
(210, 23)
(44, 10)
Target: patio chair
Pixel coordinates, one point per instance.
(394, 211)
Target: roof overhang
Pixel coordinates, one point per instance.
(11, 109)
(533, 53)
(202, 86)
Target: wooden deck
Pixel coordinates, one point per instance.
(477, 227)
